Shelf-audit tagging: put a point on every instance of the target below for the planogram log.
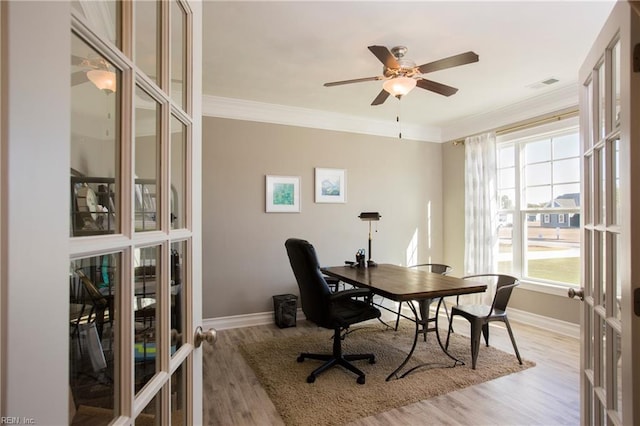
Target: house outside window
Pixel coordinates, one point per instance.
(539, 206)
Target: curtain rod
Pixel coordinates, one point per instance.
(568, 113)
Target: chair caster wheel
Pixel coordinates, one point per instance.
(300, 358)
(311, 379)
(372, 360)
(360, 380)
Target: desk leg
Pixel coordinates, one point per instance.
(457, 361)
(413, 347)
(415, 340)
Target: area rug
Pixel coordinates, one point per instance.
(336, 399)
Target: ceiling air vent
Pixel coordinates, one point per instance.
(544, 83)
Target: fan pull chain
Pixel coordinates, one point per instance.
(398, 117)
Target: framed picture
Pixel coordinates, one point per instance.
(283, 194)
(331, 185)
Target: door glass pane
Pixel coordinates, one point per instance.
(602, 186)
(93, 287)
(615, 59)
(615, 192)
(602, 261)
(101, 15)
(587, 278)
(601, 351)
(95, 142)
(147, 38)
(178, 49)
(589, 189)
(147, 278)
(602, 113)
(588, 326)
(178, 173)
(151, 414)
(590, 136)
(617, 243)
(147, 151)
(617, 384)
(178, 253)
(178, 396)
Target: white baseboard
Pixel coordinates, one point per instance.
(555, 325)
(249, 320)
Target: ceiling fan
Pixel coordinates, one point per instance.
(400, 75)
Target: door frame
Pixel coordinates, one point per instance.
(34, 218)
(623, 23)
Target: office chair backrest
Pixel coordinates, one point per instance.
(97, 298)
(314, 291)
(504, 286)
(436, 268)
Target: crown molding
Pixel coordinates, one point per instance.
(556, 100)
(238, 109)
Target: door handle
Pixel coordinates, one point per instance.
(572, 293)
(210, 336)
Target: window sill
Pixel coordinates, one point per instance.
(553, 289)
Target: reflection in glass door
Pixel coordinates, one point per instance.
(130, 275)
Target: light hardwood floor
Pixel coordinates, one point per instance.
(547, 394)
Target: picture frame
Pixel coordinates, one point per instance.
(282, 194)
(330, 185)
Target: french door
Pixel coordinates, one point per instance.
(610, 138)
(101, 223)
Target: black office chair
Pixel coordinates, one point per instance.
(479, 316)
(424, 305)
(332, 310)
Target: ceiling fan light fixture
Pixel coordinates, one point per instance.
(103, 80)
(399, 86)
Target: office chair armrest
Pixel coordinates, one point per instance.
(352, 292)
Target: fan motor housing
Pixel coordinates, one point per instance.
(407, 66)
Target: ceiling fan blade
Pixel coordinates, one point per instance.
(452, 61)
(385, 56)
(78, 77)
(433, 86)
(382, 96)
(356, 80)
(78, 60)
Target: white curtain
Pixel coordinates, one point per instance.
(481, 208)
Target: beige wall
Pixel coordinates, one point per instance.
(244, 260)
(558, 307)
(416, 186)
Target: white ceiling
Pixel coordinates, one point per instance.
(282, 52)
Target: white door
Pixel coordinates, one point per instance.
(101, 223)
(610, 139)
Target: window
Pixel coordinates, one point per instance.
(539, 205)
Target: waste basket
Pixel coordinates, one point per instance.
(285, 307)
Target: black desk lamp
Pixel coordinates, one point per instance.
(369, 217)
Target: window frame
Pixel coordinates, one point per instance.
(519, 215)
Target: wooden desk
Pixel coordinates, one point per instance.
(400, 284)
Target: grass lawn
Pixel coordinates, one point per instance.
(563, 269)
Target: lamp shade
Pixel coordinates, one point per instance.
(103, 80)
(369, 216)
(399, 86)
